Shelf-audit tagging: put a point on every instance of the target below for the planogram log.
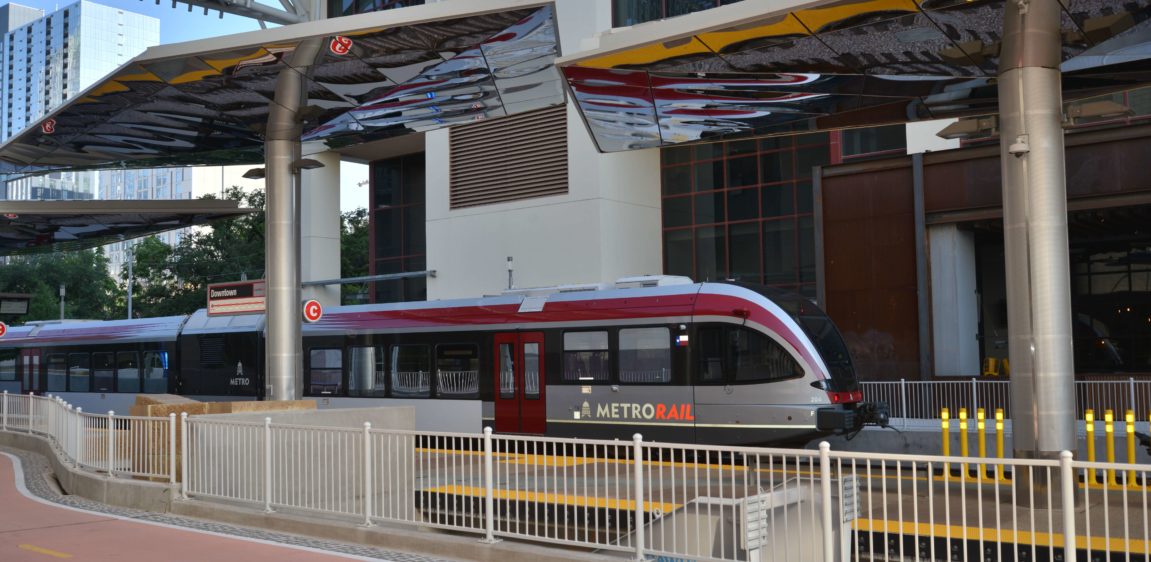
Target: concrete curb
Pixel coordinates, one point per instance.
(430, 542)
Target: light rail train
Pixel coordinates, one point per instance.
(720, 363)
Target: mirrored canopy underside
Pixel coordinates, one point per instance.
(39, 226)
(373, 76)
(758, 69)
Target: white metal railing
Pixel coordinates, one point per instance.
(458, 382)
(645, 500)
(924, 400)
(678, 501)
(411, 383)
(107, 443)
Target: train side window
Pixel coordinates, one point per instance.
(507, 372)
(586, 357)
(758, 358)
(325, 370)
(127, 371)
(645, 355)
(711, 355)
(367, 374)
(155, 371)
(103, 372)
(7, 364)
(57, 366)
(411, 371)
(79, 372)
(531, 371)
(458, 370)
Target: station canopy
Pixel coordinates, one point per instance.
(765, 67)
(367, 77)
(39, 226)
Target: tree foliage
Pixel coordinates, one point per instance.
(169, 281)
(354, 235)
(88, 289)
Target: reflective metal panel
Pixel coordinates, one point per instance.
(846, 64)
(368, 83)
(41, 226)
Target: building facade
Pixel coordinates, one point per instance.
(53, 57)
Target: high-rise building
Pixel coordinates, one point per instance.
(49, 58)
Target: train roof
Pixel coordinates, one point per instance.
(200, 323)
(95, 332)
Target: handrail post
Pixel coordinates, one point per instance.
(1067, 477)
(903, 401)
(31, 411)
(172, 449)
(367, 474)
(184, 455)
(267, 465)
(1131, 391)
(110, 439)
(4, 414)
(974, 394)
(489, 491)
(81, 437)
(637, 458)
(825, 493)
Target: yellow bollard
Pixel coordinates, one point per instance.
(981, 427)
(1089, 421)
(1129, 419)
(1109, 430)
(944, 418)
(999, 442)
(963, 449)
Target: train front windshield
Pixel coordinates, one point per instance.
(822, 331)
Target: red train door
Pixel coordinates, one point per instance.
(29, 370)
(519, 384)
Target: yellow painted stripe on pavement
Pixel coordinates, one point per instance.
(38, 550)
(959, 532)
(562, 499)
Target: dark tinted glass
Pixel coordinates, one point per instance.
(676, 212)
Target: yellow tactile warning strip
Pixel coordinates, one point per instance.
(959, 532)
(45, 551)
(567, 460)
(560, 499)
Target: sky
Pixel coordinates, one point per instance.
(178, 25)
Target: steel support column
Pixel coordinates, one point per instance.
(284, 354)
(1035, 231)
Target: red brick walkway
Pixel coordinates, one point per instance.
(34, 530)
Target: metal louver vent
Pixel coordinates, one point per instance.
(513, 158)
(211, 351)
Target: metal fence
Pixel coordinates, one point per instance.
(924, 400)
(114, 445)
(632, 499)
(641, 499)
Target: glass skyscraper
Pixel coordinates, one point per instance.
(50, 58)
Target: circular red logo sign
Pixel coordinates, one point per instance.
(340, 45)
(313, 311)
(48, 127)
(3, 329)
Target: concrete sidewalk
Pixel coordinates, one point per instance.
(34, 528)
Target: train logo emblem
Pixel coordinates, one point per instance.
(48, 127)
(3, 329)
(634, 411)
(313, 311)
(340, 45)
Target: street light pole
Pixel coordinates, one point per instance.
(61, 302)
(131, 278)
